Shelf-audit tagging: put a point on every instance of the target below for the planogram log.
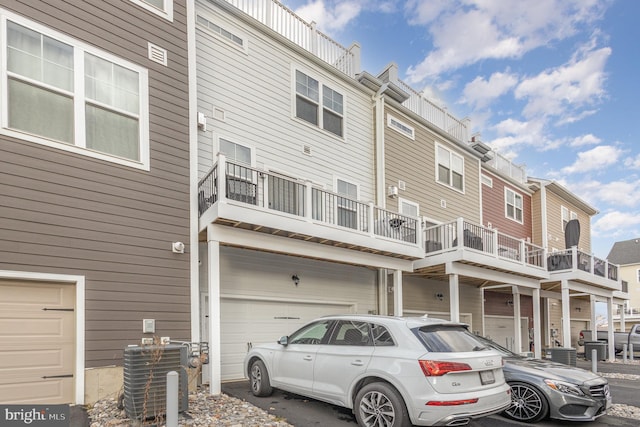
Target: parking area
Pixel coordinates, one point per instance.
(303, 412)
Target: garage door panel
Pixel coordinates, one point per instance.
(37, 340)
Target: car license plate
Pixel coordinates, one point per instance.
(487, 377)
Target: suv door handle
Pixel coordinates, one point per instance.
(357, 363)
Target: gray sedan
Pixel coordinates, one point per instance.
(541, 389)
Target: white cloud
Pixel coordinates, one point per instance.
(480, 92)
(468, 31)
(633, 162)
(616, 222)
(588, 139)
(614, 193)
(597, 158)
(330, 17)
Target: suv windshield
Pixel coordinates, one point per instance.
(448, 338)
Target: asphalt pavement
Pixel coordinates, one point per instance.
(303, 412)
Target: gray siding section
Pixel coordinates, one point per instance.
(65, 213)
(414, 162)
(255, 90)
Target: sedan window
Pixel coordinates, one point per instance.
(445, 338)
(310, 334)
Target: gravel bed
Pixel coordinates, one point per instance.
(204, 410)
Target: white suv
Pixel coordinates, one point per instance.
(391, 371)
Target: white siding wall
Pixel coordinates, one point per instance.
(255, 90)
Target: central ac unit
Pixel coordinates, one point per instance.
(145, 379)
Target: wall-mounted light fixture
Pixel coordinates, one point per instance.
(578, 309)
(510, 303)
(177, 247)
(392, 192)
(439, 296)
(295, 279)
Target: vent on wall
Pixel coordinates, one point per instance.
(157, 54)
(306, 150)
(402, 185)
(145, 379)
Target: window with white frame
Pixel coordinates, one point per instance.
(513, 205)
(409, 208)
(62, 93)
(347, 205)
(450, 169)
(567, 215)
(638, 275)
(400, 126)
(318, 104)
(223, 33)
(163, 8)
(488, 181)
(240, 179)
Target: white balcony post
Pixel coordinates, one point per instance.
(370, 219)
(494, 235)
(355, 58)
(566, 313)
(574, 257)
(592, 264)
(267, 12)
(460, 232)
(523, 252)
(314, 38)
(222, 178)
(606, 269)
(308, 201)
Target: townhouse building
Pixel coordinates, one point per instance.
(626, 254)
(94, 191)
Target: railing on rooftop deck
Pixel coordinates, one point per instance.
(435, 114)
(574, 259)
(275, 192)
(506, 166)
(447, 236)
(285, 22)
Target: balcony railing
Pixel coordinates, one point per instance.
(274, 192)
(460, 233)
(285, 22)
(574, 259)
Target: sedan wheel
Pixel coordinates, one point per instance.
(527, 403)
(380, 405)
(259, 378)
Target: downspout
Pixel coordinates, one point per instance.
(543, 219)
(378, 99)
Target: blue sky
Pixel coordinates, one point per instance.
(551, 84)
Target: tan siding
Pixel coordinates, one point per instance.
(536, 219)
(413, 161)
(65, 213)
(554, 223)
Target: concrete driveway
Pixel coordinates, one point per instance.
(302, 412)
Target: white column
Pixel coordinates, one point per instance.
(612, 350)
(454, 297)
(594, 333)
(383, 292)
(566, 315)
(537, 325)
(516, 320)
(623, 320)
(397, 294)
(214, 315)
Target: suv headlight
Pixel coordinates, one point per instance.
(564, 387)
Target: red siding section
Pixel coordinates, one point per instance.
(494, 208)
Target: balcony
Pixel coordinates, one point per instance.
(465, 242)
(268, 202)
(573, 264)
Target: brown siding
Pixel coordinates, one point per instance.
(413, 161)
(65, 213)
(493, 208)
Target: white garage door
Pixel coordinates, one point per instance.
(37, 342)
(500, 330)
(250, 322)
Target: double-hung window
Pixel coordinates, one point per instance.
(450, 168)
(241, 183)
(62, 93)
(347, 204)
(319, 104)
(513, 205)
(567, 215)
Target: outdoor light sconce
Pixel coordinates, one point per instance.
(578, 309)
(392, 192)
(510, 303)
(295, 279)
(439, 296)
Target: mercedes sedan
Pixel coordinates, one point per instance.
(544, 389)
(390, 371)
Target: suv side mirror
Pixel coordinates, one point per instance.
(284, 341)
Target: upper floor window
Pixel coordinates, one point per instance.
(163, 8)
(567, 215)
(486, 181)
(450, 168)
(223, 33)
(513, 205)
(319, 104)
(236, 152)
(64, 94)
(407, 207)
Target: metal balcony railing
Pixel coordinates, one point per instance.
(274, 192)
(574, 259)
(460, 233)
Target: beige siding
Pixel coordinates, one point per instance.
(555, 230)
(536, 219)
(65, 213)
(259, 106)
(414, 162)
